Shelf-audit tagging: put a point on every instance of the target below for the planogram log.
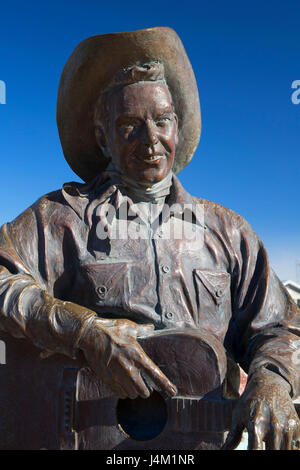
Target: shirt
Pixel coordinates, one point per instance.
(64, 246)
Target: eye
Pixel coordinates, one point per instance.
(126, 128)
(162, 122)
(129, 129)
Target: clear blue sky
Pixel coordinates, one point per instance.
(245, 57)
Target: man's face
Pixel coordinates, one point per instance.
(142, 132)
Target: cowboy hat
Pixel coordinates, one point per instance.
(90, 69)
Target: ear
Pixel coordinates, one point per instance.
(101, 139)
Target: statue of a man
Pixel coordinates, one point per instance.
(129, 120)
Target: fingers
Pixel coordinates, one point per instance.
(258, 425)
(274, 441)
(138, 362)
(283, 441)
(157, 376)
(125, 386)
(287, 441)
(291, 437)
(136, 387)
(126, 362)
(141, 378)
(233, 438)
(255, 441)
(295, 444)
(278, 435)
(128, 376)
(274, 434)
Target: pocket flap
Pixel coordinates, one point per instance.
(217, 283)
(107, 278)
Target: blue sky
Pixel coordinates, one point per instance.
(245, 56)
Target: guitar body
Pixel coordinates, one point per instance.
(58, 403)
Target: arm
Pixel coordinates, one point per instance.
(264, 335)
(28, 310)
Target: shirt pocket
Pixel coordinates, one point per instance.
(105, 285)
(213, 299)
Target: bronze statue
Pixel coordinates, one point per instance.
(128, 310)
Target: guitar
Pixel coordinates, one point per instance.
(59, 403)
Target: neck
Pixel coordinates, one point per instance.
(141, 191)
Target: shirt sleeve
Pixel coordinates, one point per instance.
(27, 309)
(266, 321)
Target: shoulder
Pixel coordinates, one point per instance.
(49, 201)
(217, 216)
(42, 208)
(65, 204)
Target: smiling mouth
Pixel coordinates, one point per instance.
(151, 158)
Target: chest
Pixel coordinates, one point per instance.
(170, 281)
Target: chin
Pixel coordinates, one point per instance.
(150, 181)
(152, 176)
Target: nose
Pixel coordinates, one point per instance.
(149, 133)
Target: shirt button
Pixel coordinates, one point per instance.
(219, 292)
(102, 291)
(169, 315)
(165, 268)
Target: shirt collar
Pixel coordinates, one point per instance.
(80, 195)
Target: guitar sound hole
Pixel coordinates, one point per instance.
(142, 419)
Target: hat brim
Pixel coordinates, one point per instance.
(90, 69)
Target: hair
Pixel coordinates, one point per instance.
(146, 72)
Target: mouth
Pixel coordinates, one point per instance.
(151, 158)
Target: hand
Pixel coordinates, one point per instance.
(267, 412)
(112, 351)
